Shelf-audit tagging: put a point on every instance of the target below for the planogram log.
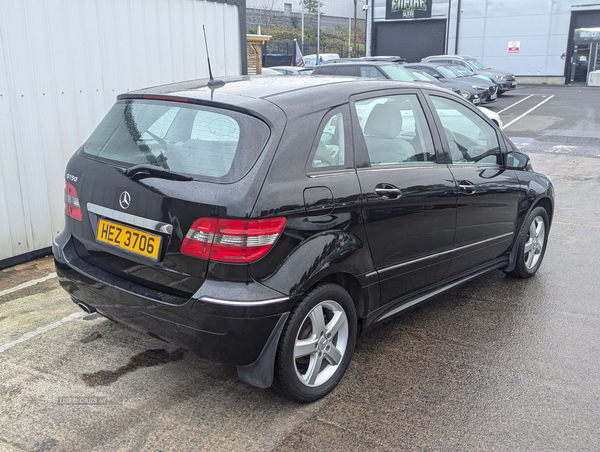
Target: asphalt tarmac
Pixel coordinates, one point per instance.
(499, 364)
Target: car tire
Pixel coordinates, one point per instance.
(316, 344)
(531, 244)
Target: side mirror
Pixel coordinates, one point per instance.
(518, 161)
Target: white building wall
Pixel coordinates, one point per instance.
(541, 26)
(62, 63)
(486, 27)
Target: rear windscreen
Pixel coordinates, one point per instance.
(208, 143)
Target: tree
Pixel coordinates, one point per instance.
(267, 7)
(312, 6)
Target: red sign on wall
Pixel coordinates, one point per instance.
(514, 46)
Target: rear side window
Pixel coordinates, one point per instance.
(345, 70)
(371, 72)
(207, 143)
(325, 70)
(395, 130)
(331, 148)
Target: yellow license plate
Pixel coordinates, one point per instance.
(129, 239)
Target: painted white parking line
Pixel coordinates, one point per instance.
(528, 111)
(41, 330)
(33, 282)
(510, 106)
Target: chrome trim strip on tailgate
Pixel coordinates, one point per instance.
(243, 303)
(128, 218)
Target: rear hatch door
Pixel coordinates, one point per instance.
(150, 170)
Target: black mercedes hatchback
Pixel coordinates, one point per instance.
(265, 222)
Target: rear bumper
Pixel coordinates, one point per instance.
(226, 322)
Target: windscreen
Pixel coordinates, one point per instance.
(207, 143)
(424, 76)
(462, 70)
(447, 72)
(396, 72)
(476, 64)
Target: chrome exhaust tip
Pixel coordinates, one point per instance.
(87, 309)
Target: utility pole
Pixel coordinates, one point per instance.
(303, 25)
(355, 50)
(368, 31)
(318, 30)
(349, 33)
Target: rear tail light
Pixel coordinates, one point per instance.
(238, 241)
(72, 208)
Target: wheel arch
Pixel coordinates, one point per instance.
(335, 256)
(354, 288)
(547, 204)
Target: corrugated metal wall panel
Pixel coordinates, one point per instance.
(62, 64)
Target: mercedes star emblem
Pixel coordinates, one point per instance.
(125, 200)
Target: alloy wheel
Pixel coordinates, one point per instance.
(535, 242)
(321, 343)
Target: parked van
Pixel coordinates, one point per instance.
(311, 60)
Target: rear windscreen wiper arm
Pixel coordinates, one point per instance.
(144, 168)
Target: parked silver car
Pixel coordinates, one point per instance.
(506, 81)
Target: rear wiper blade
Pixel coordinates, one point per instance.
(144, 168)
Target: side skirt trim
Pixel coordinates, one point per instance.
(424, 297)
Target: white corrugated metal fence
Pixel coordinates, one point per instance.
(62, 64)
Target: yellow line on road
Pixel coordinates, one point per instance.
(528, 111)
(511, 106)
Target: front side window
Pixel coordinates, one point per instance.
(395, 130)
(207, 143)
(470, 138)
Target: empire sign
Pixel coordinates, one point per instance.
(408, 9)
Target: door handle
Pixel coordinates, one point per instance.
(388, 191)
(467, 187)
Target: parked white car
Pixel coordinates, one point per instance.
(311, 60)
(495, 117)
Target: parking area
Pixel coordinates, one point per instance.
(497, 364)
